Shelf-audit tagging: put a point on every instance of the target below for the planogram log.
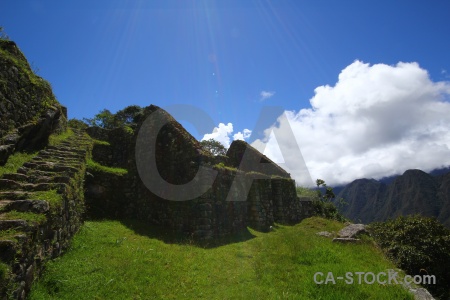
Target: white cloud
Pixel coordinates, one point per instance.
(376, 121)
(266, 95)
(223, 134)
(242, 135)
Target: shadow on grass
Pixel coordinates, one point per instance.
(168, 236)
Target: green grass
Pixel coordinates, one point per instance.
(222, 166)
(108, 260)
(53, 198)
(8, 234)
(27, 216)
(306, 192)
(55, 139)
(15, 161)
(95, 166)
(99, 142)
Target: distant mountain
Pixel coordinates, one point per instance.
(414, 192)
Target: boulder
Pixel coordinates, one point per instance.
(353, 231)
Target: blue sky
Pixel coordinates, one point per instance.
(232, 58)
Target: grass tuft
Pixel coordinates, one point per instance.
(95, 166)
(99, 142)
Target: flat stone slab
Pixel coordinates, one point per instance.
(36, 206)
(345, 240)
(421, 294)
(353, 231)
(324, 233)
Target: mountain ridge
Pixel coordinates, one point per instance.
(413, 192)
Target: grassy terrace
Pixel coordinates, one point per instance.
(130, 260)
(15, 161)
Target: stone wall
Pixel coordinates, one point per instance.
(29, 112)
(270, 198)
(41, 208)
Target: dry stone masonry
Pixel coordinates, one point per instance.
(270, 198)
(29, 112)
(95, 173)
(41, 208)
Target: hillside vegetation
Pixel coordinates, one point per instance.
(413, 192)
(129, 260)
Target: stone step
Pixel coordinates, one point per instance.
(21, 225)
(52, 167)
(16, 176)
(8, 250)
(14, 195)
(48, 157)
(7, 184)
(33, 173)
(35, 206)
(58, 160)
(55, 179)
(3, 204)
(67, 149)
(54, 153)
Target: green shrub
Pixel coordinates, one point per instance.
(323, 205)
(327, 210)
(419, 245)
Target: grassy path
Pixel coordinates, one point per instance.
(108, 260)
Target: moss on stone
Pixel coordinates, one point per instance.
(99, 142)
(9, 234)
(53, 198)
(95, 166)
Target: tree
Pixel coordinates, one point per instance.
(104, 119)
(213, 146)
(129, 115)
(324, 206)
(126, 117)
(328, 195)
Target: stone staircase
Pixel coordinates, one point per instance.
(40, 209)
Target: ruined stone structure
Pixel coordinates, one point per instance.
(268, 198)
(29, 112)
(41, 208)
(42, 204)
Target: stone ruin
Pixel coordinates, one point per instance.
(43, 203)
(256, 199)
